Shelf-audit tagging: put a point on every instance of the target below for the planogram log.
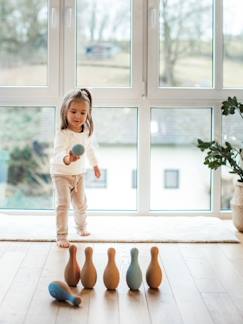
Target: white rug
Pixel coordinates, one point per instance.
(122, 229)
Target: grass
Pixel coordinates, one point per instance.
(189, 72)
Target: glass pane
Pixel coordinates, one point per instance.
(116, 133)
(233, 43)
(23, 42)
(26, 142)
(174, 134)
(104, 43)
(185, 43)
(231, 132)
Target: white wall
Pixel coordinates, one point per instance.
(194, 179)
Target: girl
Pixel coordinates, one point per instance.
(67, 169)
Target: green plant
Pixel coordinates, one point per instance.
(227, 154)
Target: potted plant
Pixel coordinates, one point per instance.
(230, 155)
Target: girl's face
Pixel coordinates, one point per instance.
(77, 114)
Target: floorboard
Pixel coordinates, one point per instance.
(202, 283)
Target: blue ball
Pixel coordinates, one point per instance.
(78, 149)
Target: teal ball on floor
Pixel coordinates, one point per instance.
(78, 149)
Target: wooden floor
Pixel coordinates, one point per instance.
(203, 284)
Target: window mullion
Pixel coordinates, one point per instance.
(69, 45)
(144, 159)
(53, 47)
(218, 44)
(153, 47)
(216, 175)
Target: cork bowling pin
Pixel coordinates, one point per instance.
(61, 292)
(72, 269)
(111, 275)
(134, 273)
(154, 272)
(88, 273)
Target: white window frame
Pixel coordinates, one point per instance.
(144, 93)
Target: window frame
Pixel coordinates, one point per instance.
(144, 94)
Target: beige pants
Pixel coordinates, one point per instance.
(69, 189)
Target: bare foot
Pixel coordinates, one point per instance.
(83, 232)
(63, 243)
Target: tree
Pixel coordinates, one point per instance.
(23, 30)
(98, 23)
(181, 31)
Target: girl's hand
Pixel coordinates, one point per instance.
(68, 159)
(97, 171)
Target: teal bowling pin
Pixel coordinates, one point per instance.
(134, 274)
(61, 292)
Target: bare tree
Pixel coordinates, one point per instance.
(181, 31)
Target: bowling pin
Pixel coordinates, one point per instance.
(88, 273)
(154, 272)
(111, 275)
(134, 273)
(72, 269)
(60, 291)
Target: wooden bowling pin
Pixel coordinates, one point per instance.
(154, 272)
(111, 275)
(61, 292)
(134, 273)
(88, 273)
(72, 269)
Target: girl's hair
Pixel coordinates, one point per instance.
(77, 95)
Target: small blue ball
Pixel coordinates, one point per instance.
(78, 149)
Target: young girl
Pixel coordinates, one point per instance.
(67, 169)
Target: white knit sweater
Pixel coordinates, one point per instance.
(64, 141)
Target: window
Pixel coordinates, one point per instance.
(232, 132)
(186, 43)
(116, 140)
(92, 182)
(158, 72)
(26, 139)
(171, 179)
(104, 43)
(24, 43)
(173, 148)
(233, 38)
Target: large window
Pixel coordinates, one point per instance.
(158, 71)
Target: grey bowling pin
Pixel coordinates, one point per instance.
(134, 273)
